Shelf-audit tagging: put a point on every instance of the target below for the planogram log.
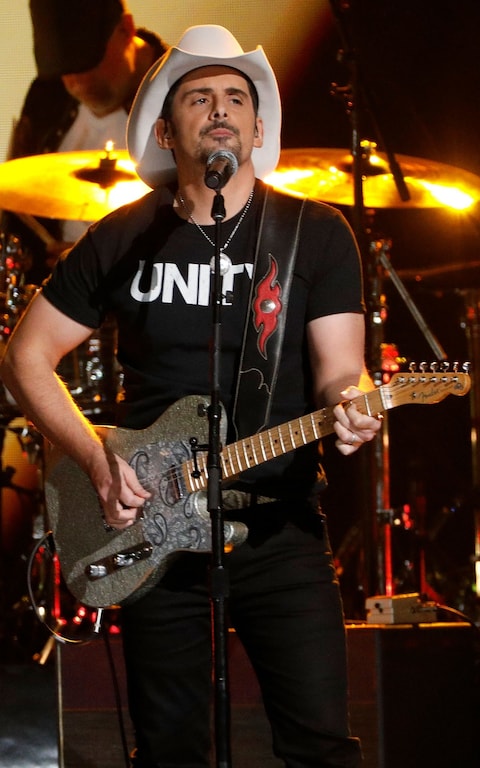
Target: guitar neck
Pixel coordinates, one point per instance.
(420, 388)
(275, 441)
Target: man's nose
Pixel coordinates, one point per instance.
(219, 110)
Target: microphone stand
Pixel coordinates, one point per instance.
(219, 577)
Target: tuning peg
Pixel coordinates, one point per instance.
(466, 367)
(445, 366)
(423, 366)
(412, 367)
(434, 367)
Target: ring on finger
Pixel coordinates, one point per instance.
(353, 438)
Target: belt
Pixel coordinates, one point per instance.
(233, 499)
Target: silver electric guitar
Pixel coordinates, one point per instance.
(102, 567)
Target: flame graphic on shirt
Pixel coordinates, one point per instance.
(267, 306)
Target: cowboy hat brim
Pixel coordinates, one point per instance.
(156, 166)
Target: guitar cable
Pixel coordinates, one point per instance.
(48, 607)
(38, 558)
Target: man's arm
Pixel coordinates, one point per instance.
(42, 337)
(337, 348)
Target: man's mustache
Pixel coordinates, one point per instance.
(218, 125)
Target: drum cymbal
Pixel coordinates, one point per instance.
(327, 175)
(79, 186)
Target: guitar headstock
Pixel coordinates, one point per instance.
(430, 384)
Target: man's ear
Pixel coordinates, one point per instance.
(162, 134)
(127, 25)
(258, 135)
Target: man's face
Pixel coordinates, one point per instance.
(212, 109)
(106, 87)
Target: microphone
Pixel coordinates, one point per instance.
(221, 166)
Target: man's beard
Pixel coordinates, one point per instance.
(232, 143)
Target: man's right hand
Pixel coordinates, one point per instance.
(120, 492)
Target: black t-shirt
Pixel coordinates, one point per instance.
(151, 269)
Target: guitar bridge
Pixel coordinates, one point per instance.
(117, 561)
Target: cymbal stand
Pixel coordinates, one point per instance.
(471, 299)
(381, 444)
(359, 101)
(380, 263)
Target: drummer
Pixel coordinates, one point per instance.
(90, 60)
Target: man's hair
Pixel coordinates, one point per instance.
(166, 113)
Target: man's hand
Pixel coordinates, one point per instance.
(119, 490)
(352, 427)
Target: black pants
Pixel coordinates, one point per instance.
(285, 606)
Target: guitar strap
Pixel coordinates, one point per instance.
(274, 263)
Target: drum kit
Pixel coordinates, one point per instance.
(80, 186)
(85, 186)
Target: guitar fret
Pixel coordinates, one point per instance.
(192, 482)
(302, 432)
(245, 447)
(231, 468)
(223, 461)
(367, 405)
(314, 426)
(282, 444)
(385, 399)
(297, 436)
(254, 453)
(292, 439)
(325, 421)
(272, 447)
(262, 446)
(237, 456)
(187, 474)
(266, 448)
(374, 399)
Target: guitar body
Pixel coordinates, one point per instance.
(105, 567)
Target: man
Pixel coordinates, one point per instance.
(149, 263)
(90, 60)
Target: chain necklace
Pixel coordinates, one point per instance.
(225, 261)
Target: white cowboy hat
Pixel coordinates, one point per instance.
(200, 46)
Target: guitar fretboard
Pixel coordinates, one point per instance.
(419, 388)
(275, 441)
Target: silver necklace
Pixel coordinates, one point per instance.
(225, 261)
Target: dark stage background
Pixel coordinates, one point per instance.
(419, 62)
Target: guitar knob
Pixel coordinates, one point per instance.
(95, 571)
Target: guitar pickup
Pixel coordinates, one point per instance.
(117, 561)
